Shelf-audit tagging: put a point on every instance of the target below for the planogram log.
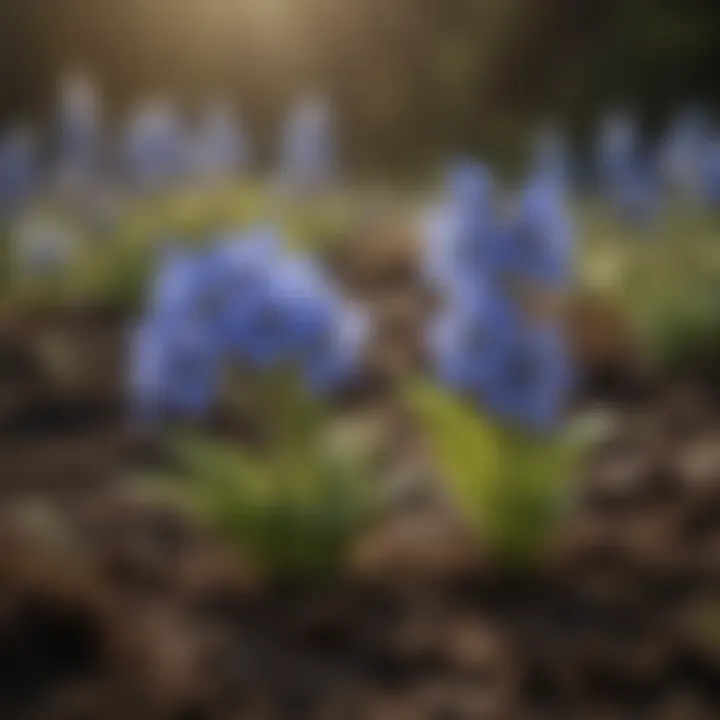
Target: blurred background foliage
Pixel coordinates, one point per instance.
(409, 78)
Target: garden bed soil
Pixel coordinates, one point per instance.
(112, 606)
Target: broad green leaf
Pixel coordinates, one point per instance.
(466, 448)
(510, 486)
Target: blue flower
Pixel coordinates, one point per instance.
(469, 187)
(308, 156)
(220, 148)
(323, 333)
(179, 283)
(156, 151)
(175, 354)
(536, 246)
(293, 315)
(241, 301)
(460, 340)
(528, 377)
(79, 129)
(249, 317)
(629, 176)
(482, 344)
(456, 236)
(287, 318)
(454, 341)
(518, 373)
(193, 370)
(239, 263)
(174, 370)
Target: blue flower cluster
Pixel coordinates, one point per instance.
(242, 301)
(633, 175)
(637, 178)
(495, 270)
(157, 149)
(159, 152)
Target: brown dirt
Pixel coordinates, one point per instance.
(115, 607)
(60, 400)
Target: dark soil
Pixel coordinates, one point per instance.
(112, 606)
(60, 400)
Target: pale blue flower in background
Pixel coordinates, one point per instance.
(156, 150)
(630, 175)
(308, 148)
(79, 131)
(617, 147)
(221, 149)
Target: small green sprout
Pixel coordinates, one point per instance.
(294, 505)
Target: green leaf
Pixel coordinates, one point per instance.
(509, 485)
(465, 446)
(293, 507)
